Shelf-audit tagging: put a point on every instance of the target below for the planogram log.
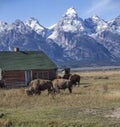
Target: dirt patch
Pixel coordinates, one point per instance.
(91, 111)
(115, 113)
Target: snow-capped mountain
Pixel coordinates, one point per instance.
(71, 41)
(95, 24)
(115, 25)
(110, 36)
(3, 26)
(35, 25)
(69, 23)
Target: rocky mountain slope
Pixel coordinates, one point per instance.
(72, 41)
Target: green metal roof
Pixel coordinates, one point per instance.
(25, 60)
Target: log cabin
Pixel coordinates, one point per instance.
(18, 68)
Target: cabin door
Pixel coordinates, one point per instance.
(28, 76)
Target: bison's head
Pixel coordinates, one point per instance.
(29, 92)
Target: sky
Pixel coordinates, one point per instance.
(48, 12)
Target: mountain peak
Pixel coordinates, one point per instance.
(71, 11)
(95, 18)
(117, 19)
(70, 22)
(32, 19)
(18, 21)
(33, 22)
(2, 23)
(18, 24)
(36, 26)
(71, 41)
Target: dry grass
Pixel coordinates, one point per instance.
(87, 106)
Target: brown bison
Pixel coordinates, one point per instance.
(75, 79)
(62, 84)
(2, 84)
(38, 85)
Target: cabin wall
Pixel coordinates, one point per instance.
(44, 74)
(14, 79)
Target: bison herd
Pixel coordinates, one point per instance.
(54, 86)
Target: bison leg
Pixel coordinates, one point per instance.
(56, 90)
(75, 84)
(38, 92)
(52, 92)
(49, 91)
(70, 89)
(78, 83)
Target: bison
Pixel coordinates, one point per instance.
(75, 79)
(62, 84)
(38, 85)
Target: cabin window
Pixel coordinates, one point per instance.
(39, 74)
(43, 75)
(46, 75)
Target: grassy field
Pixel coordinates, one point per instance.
(96, 103)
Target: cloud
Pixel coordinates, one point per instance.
(106, 9)
(98, 7)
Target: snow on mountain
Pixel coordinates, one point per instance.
(71, 12)
(19, 26)
(52, 27)
(95, 24)
(71, 41)
(70, 33)
(19, 35)
(115, 25)
(111, 41)
(69, 23)
(71, 27)
(106, 33)
(3, 26)
(35, 25)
